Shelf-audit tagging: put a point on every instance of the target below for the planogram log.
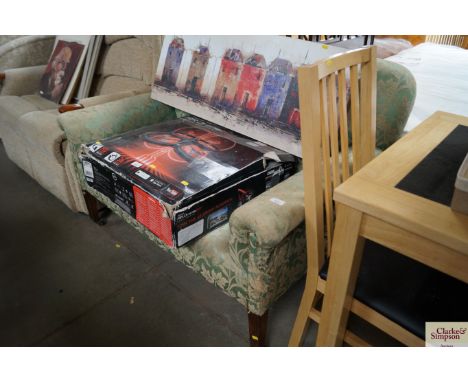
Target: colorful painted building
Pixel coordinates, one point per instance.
(228, 78)
(174, 56)
(197, 71)
(275, 89)
(250, 83)
(290, 112)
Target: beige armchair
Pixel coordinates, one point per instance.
(18, 52)
(32, 137)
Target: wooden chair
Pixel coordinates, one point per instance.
(326, 162)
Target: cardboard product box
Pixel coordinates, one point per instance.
(183, 178)
(460, 195)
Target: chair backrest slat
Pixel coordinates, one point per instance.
(333, 128)
(323, 98)
(328, 188)
(355, 116)
(342, 102)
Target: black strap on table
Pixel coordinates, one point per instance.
(434, 177)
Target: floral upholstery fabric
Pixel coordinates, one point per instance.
(396, 93)
(261, 252)
(234, 260)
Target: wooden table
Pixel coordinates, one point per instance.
(370, 207)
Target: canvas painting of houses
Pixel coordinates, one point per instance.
(245, 83)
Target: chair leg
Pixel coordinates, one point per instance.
(308, 301)
(258, 329)
(93, 206)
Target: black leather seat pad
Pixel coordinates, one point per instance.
(406, 291)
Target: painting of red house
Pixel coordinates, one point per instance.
(247, 84)
(173, 59)
(250, 83)
(290, 113)
(197, 71)
(228, 78)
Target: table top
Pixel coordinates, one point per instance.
(372, 189)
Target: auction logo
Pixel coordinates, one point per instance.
(447, 334)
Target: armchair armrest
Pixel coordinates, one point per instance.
(112, 118)
(22, 81)
(69, 107)
(271, 216)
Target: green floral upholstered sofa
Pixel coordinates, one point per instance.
(261, 252)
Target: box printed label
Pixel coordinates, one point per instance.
(142, 174)
(190, 232)
(88, 169)
(95, 147)
(112, 157)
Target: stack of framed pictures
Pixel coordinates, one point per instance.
(71, 68)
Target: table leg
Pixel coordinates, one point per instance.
(342, 274)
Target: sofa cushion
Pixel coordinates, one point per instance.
(116, 84)
(110, 39)
(128, 58)
(13, 107)
(40, 102)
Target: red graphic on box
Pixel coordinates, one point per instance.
(176, 159)
(151, 214)
(188, 143)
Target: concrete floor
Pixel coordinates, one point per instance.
(66, 281)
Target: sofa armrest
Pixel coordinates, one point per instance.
(112, 118)
(70, 107)
(272, 215)
(396, 93)
(22, 81)
(98, 100)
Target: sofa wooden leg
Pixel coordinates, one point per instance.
(93, 206)
(258, 329)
